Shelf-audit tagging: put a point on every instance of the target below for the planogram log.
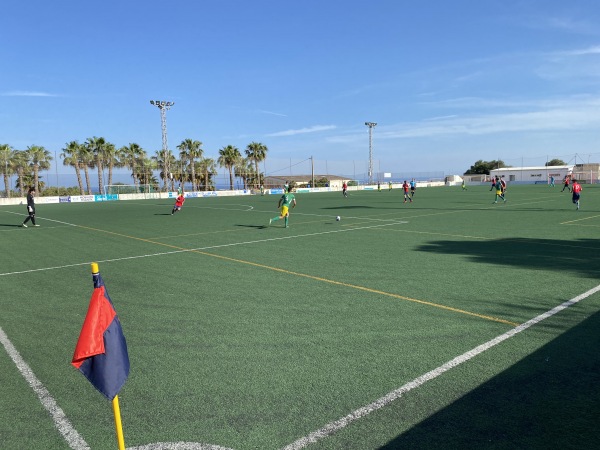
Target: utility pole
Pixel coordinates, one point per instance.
(371, 125)
(164, 106)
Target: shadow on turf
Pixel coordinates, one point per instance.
(163, 214)
(550, 399)
(10, 225)
(548, 254)
(258, 227)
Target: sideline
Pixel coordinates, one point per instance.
(335, 426)
(76, 442)
(59, 418)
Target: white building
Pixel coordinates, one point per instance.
(532, 175)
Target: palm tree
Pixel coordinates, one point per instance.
(160, 163)
(20, 164)
(170, 161)
(244, 169)
(27, 181)
(70, 156)
(86, 160)
(6, 153)
(228, 158)
(257, 152)
(40, 160)
(130, 156)
(111, 159)
(189, 151)
(208, 168)
(145, 171)
(253, 178)
(97, 147)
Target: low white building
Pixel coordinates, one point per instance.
(532, 175)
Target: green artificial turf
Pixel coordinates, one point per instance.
(250, 336)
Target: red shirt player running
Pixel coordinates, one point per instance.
(576, 192)
(405, 187)
(178, 204)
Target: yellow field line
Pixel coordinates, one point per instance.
(312, 277)
(362, 288)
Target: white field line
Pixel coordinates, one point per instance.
(250, 208)
(76, 442)
(339, 424)
(187, 206)
(212, 247)
(42, 218)
(61, 422)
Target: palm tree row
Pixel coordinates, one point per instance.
(26, 164)
(97, 153)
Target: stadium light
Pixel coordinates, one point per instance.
(371, 125)
(164, 106)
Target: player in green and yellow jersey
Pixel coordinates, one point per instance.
(286, 202)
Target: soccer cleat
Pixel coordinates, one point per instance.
(36, 225)
(270, 221)
(23, 225)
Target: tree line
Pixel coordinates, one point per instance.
(483, 167)
(96, 153)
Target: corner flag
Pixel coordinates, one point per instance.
(101, 351)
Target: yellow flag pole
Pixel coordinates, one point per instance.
(115, 401)
(118, 425)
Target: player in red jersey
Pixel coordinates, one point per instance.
(178, 203)
(576, 189)
(405, 187)
(566, 186)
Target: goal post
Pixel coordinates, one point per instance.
(129, 189)
(354, 184)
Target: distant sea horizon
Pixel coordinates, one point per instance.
(68, 180)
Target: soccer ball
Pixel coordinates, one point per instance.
(338, 218)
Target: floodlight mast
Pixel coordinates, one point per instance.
(164, 106)
(371, 125)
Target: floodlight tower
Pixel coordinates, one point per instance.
(164, 106)
(371, 125)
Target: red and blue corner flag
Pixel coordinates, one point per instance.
(101, 351)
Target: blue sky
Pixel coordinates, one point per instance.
(448, 82)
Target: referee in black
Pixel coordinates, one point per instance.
(30, 208)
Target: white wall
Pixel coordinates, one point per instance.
(531, 175)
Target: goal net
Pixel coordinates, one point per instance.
(129, 189)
